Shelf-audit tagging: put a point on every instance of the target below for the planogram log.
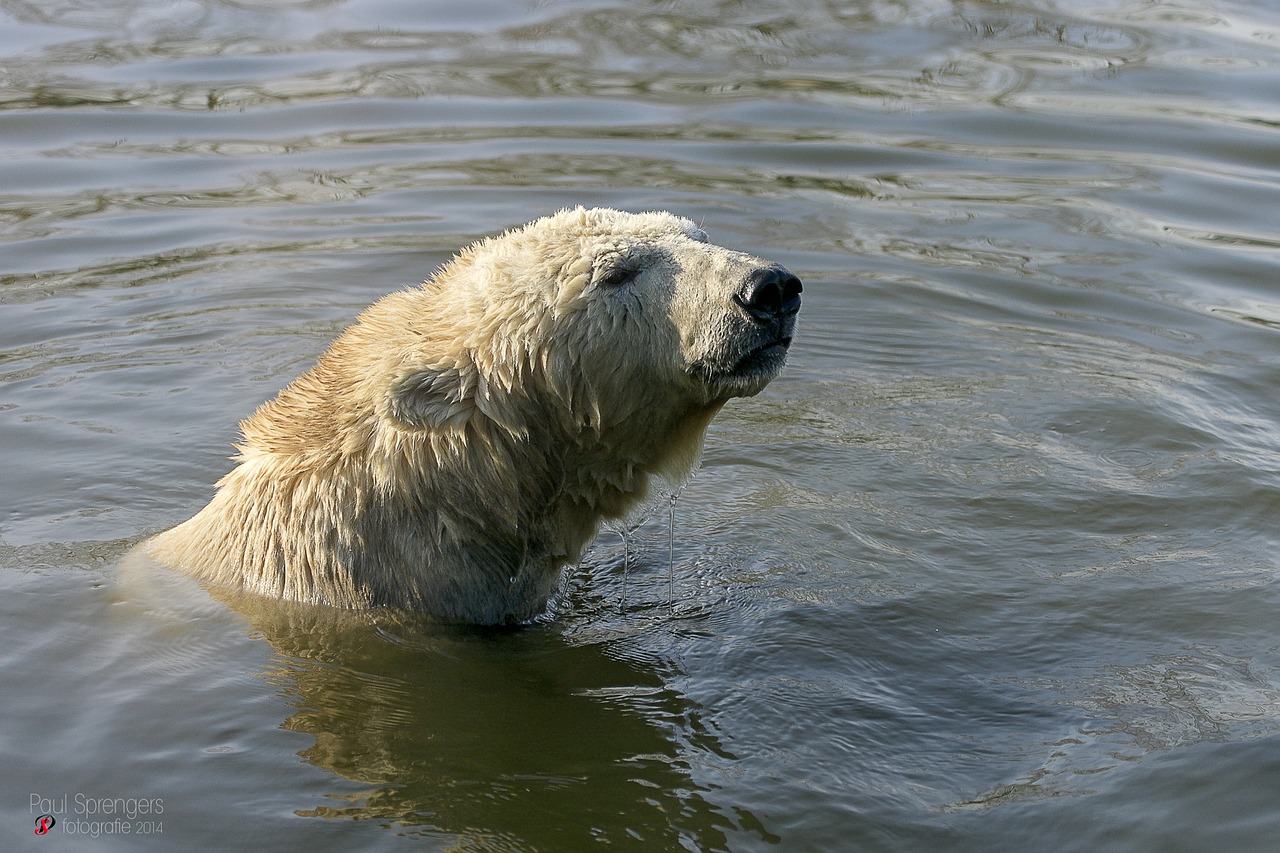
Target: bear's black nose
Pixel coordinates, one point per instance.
(770, 292)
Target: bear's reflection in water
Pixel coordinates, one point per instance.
(504, 738)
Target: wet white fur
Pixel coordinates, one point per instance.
(462, 440)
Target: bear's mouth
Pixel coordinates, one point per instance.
(760, 363)
(785, 343)
(764, 359)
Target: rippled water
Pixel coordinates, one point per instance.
(992, 566)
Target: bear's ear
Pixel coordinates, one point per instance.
(449, 398)
(433, 398)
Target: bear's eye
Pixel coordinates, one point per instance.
(617, 276)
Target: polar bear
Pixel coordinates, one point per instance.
(461, 442)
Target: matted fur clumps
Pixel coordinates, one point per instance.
(461, 441)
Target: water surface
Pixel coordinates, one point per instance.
(991, 566)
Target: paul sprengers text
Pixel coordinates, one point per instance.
(82, 814)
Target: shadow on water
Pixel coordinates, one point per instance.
(499, 739)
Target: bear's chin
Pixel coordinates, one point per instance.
(765, 360)
(747, 376)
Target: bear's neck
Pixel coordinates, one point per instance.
(319, 524)
(609, 471)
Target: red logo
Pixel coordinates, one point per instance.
(44, 823)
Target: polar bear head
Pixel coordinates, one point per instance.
(595, 318)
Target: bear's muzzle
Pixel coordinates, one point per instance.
(769, 294)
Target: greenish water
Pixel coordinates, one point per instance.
(992, 566)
